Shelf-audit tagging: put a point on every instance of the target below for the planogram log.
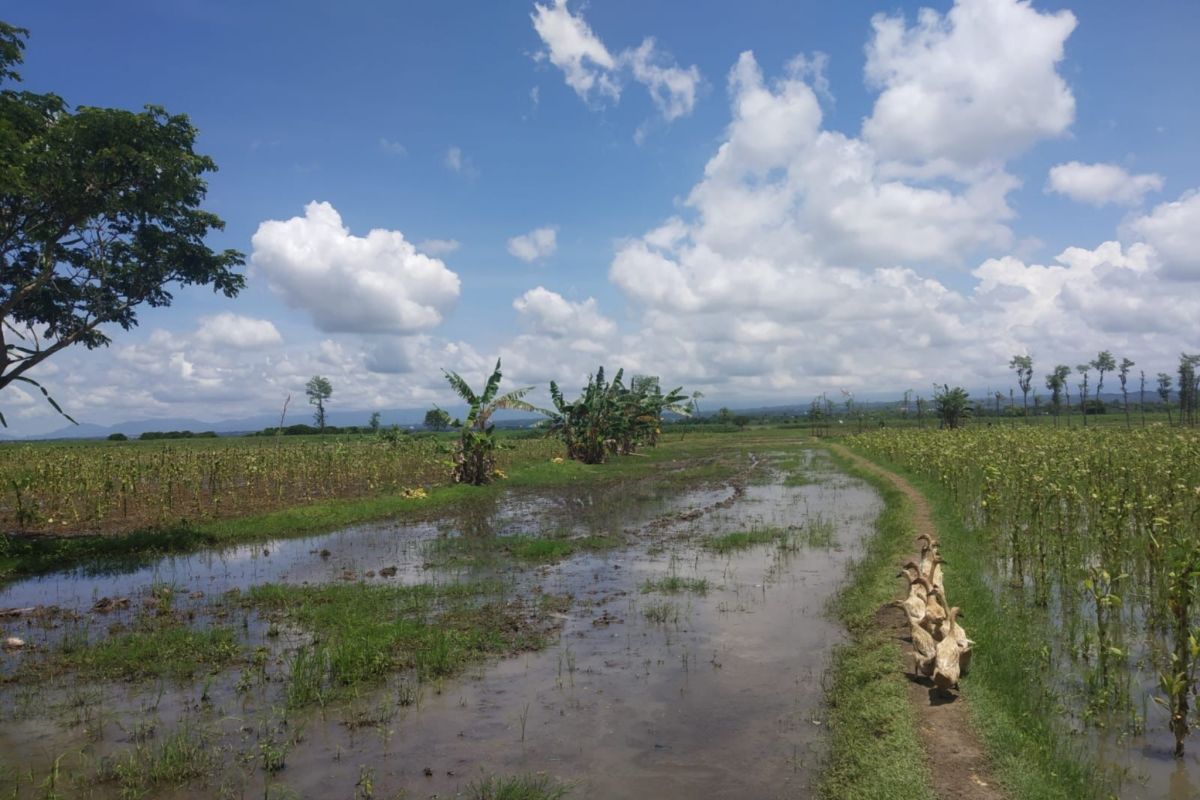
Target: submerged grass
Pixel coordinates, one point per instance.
(363, 633)
(518, 787)
(674, 584)
(874, 753)
(740, 540)
(1008, 691)
(154, 648)
(185, 755)
(459, 550)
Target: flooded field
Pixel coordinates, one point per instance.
(662, 638)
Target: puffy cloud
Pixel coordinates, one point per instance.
(538, 243)
(1101, 184)
(672, 89)
(977, 85)
(780, 188)
(1174, 231)
(234, 330)
(439, 247)
(573, 48)
(589, 67)
(551, 314)
(379, 283)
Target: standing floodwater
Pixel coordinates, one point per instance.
(688, 663)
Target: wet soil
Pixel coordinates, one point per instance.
(716, 693)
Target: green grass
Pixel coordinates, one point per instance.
(1008, 695)
(154, 649)
(518, 787)
(179, 758)
(460, 550)
(874, 751)
(674, 584)
(741, 540)
(364, 633)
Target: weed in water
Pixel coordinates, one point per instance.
(741, 540)
(661, 612)
(674, 584)
(517, 787)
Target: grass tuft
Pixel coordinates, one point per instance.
(518, 787)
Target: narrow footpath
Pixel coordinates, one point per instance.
(958, 764)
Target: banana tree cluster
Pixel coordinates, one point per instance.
(610, 418)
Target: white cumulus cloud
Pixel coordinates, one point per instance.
(976, 85)
(1174, 231)
(552, 314)
(234, 330)
(591, 69)
(1101, 184)
(379, 283)
(537, 244)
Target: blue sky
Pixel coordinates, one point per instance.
(883, 216)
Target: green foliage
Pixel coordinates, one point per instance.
(99, 214)
(117, 437)
(609, 418)
(318, 389)
(953, 406)
(152, 435)
(474, 458)
(437, 419)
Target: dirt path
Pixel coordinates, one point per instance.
(958, 764)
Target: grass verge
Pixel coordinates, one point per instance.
(1008, 695)
(874, 753)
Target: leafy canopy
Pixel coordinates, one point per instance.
(99, 214)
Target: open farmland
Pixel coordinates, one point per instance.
(122, 486)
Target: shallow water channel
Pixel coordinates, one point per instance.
(713, 692)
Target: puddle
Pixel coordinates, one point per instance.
(643, 694)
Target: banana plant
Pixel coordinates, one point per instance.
(475, 454)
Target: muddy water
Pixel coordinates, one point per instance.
(643, 694)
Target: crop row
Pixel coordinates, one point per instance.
(1100, 528)
(50, 488)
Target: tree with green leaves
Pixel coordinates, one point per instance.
(1164, 393)
(1103, 363)
(437, 419)
(1082, 369)
(1023, 367)
(1188, 388)
(952, 406)
(319, 390)
(1123, 375)
(374, 422)
(475, 455)
(1056, 381)
(99, 215)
